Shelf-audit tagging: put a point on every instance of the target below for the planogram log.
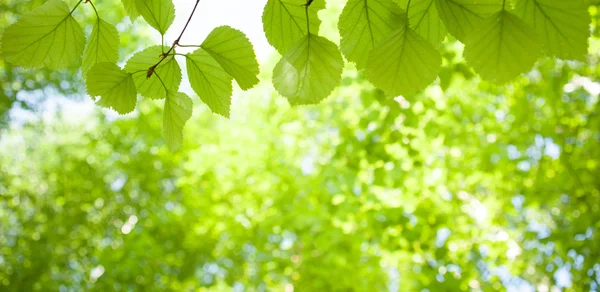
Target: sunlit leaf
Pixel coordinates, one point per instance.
(425, 20)
(563, 26)
(114, 86)
(210, 81)
(309, 72)
(158, 13)
(403, 63)
(363, 24)
(103, 46)
(48, 37)
(131, 9)
(177, 111)
(167, 76)
(502, 48)
(284, 22)
(234, 52)
(463, 17)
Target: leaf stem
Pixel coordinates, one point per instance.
(175, 43)
(163, 84)
(76, 5)
(307, 18)
(407, 8)
(94, 6)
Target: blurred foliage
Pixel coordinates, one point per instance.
(28, 89)
(466, 186)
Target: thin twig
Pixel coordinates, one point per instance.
(175, 43)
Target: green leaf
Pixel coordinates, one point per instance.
(310, 71)
(284, 22)
(131, 9)
(210, 81)
(363, 24)
(114, 86)
(168, 71)
(404, 63)
(503, 48)
(103, 46)
(178, 110)
(462, 17)
(424, 20)
(158, 13)
(234, 52)
(48, 37)
(563, 26)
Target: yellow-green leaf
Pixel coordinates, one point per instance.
(114, 86)
(504, 47)
(284, 22)
(403, 63)
(310, 71)
(103, 46)
(167, 76)
(563, 26)
(363, 24)
(234, 52)
(177, 111)
(210, 81)
(48, 37)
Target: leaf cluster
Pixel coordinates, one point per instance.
(396, 43)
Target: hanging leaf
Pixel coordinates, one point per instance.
(563, 26)
(503, 48)
(103, 46)
(177, 111)
(424, 19)
(131, 9)
(234, 52)
(284, 22)
(168, 72)
(48, 37)
(158, 13)
(210, 81)
(363, 24)
(114, 86)
(403, 63)
(310, 71)
(463, 17)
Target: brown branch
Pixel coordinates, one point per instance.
(175, 43)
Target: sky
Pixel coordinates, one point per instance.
(244, 15)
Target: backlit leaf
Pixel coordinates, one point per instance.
(310, 71)
(210, 81)
(403, 63)
(114, 86)
(424, 20)
(363, 24)
(103, 46)
(234, 52)
(177, 111)
(48, 37)
(131, 9)
(284, 22)
(462, 17)
(158, 13)
(503, 48)
(168, 71)
(563, 26)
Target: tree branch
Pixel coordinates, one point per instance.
(175, 43)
